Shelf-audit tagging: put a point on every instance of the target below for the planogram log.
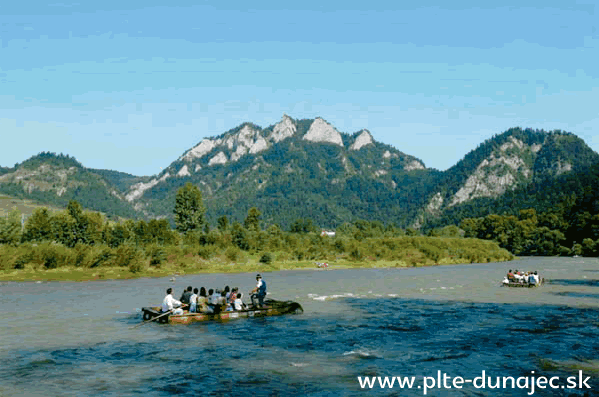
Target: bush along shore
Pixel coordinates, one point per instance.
(54, 261)
(79, 245)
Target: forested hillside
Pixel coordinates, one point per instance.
(56, 179)
(507, 173)
(570, 227)
(306, 169)
(342, 179)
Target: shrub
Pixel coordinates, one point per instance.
(564, 251)
(356, 254)
(156, 253)
(340, 245)
(266, 258)
(283, 256)
(431, 252)
(232, 253)
(22, 261)
(299, 254)
(101, 257)
(136, 266)
(51, 262)
(51, 257)
(126, 255)
(206, 251)
(77, 255)
(8, 257)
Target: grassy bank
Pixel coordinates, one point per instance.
(52, 261)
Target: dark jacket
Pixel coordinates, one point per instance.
(185, 297)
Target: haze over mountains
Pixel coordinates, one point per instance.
(308, 169)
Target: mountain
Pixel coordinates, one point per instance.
(515, 164)
(120, 180)
(294, 169)
(308, 169)
(55, 179)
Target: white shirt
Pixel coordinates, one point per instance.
(169, 302)
(193, 299)
(259, 284)
(238, 304)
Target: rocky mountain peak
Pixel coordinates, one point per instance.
(365, 138)
(284, 129)
(321, 131)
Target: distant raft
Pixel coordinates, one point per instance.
(271, 308)
(517, 284)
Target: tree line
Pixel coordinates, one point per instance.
(78, 238)
(570, 228)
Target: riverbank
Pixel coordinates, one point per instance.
(30, 263)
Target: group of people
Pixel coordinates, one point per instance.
(214, 301)
(521, 277)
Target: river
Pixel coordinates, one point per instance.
(77, 339)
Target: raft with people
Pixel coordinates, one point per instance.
(517, 284)
(196, 305)
(271, 307)
(519, 279)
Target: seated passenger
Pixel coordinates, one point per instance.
(518, 276)
(193, 301)
(211, 300)
(186, 295)
(215, 297)
(170, 304)
(202, 306)
(232, 295)
(239, 305)
(222, 301)
(510, 275)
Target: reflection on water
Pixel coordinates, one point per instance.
(370, 322)
(590, 283)
(577, 294)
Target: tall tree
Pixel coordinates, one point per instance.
(223, 223)
(38, 226)
(239, 236)
(10, 228)
(252, 221)
(189, 209)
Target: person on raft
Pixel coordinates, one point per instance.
(259, 292)
(171, 304)
(186, 295)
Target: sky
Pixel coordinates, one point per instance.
(131, 85)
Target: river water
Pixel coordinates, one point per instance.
(76, 339)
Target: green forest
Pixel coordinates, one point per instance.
(568, 228)
(78, 239)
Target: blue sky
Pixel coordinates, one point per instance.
(130, 85)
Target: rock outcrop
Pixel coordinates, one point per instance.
(321, 131)
(362, 140)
